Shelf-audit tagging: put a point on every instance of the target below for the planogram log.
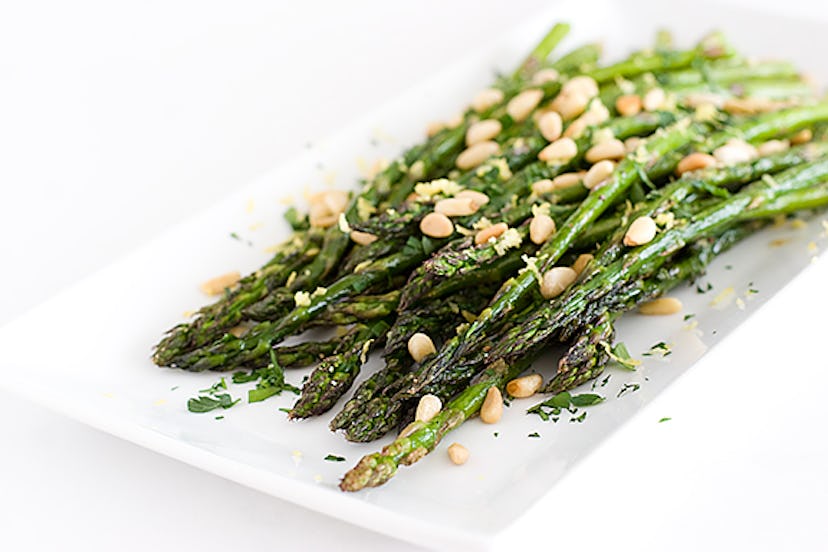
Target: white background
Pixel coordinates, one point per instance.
(197, 98)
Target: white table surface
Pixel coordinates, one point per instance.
(200, 97)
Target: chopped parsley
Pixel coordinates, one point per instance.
(204, 403)
(688, 316)
(704, 288)
(216, 387)
(219, 417)
(628, 388)
(661, 421)
(661, 348)
(552, 408)
(534, 435)
(334, 458)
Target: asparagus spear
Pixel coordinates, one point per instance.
(336, 373)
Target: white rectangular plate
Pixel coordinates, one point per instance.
(101, 331)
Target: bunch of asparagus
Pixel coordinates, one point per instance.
(565, 195)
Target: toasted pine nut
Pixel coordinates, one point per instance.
(570, 105)
(493, 231)
(540, 187)
(428, 407)
(541, 228)
(581, 263)
(694, 162)
(482, 131)
(492, 408)
(581, 84)
(566, 180)
(456, 206)
(434, 127)
(238, 331)
(804, 135)
(611, 149)
(654, 99)
(628, 105)
(478, 198)
(735, 151)
(523, 104)
(362, 238)
(772, 146)
(335, 201)
(525, 386)
(550, 125)
(486, 99)
(598, 173)
(559, 151)
(436, 225)
(556, 280)
(217, 285)
(545, 75)
(458, 454)
(661, 306)
(476, 154)
(641, 231)
(420, 346)
(321, 217)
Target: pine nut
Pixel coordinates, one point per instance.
(458, 454)
(694, 162)
(566, 180)
(455, 121)
(525, 386)
(641, 231)
(804, 135)
(611, 149)
(570, 105)
(456, 207)
(319, 216)
(428, 407)
(772, 147)
(434, 127)
(478, 198)
(541, 187)
(556, 280)
(217, 285)
(628, 105)
(598, 173)
(541, 228)
(492, 409)
(735, 151)
(559, 151)
(581, 263)
(476, 154)
(581, 84)
(436, 225)
(545, 75)
(486, 99)
(654, 99)
(482, 131)
(523, 104)
(493, 231)
(550, 125)
(661, 306)
(362, 238)
(335, 201)
(420, 347)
